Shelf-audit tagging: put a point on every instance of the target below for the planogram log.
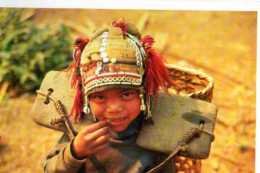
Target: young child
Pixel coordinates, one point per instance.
(115, 74)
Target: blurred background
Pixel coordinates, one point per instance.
(221, 43)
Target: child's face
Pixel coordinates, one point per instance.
(117, 105)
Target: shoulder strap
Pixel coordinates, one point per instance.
(180, 146)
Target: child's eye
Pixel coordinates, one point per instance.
(97, 98)
(129, 95)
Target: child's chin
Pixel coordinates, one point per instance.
(119, 128)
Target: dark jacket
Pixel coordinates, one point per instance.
(120, 157)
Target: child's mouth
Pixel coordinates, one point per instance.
(116, 120)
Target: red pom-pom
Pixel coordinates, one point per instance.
(81, 42)
(120, 23)
(147, 41)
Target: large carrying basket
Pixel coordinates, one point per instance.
(175, 116)
(179, 114)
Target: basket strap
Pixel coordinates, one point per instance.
(180, 146)
(59, 107)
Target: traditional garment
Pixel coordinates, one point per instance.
(120, 157)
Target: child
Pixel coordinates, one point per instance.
(115, 74)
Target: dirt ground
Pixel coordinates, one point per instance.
(223, 44)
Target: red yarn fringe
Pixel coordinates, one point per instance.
(157, 74)
(77, 106)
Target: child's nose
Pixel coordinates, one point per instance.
(115, 106)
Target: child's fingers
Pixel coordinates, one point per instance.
(100, 141)
(94, 127)
(100, 147)
(92, 136)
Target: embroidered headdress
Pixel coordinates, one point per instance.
(117, 56)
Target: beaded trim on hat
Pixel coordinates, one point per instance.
(103, 53)
(112, 78)
(140, 54)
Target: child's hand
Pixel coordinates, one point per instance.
(91, 139)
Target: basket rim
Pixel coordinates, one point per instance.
(195, 71)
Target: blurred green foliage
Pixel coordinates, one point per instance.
(27, 52)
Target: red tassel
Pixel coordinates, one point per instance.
(157, 75)
(79, 45)
(77, 106)
(78, 102)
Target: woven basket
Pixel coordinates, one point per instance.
(196, 84)
(190, 82)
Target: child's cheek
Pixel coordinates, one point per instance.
(97, 110)
(134, 107)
